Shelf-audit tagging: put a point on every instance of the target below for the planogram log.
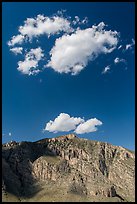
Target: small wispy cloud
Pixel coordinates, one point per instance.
(17, 50)
(119, 47)
(130, 46)
(106, 69)
(78, 21)
(18, 39)
(118, 60)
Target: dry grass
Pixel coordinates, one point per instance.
(53, 194)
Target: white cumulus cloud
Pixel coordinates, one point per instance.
(34, 27)
(30, 65)
(71, 53)
(88, 126)
(16, 50)
(65, 123)
(106, 69)
(44, 25)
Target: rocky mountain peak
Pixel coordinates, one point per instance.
(70, 165)
(63, 137)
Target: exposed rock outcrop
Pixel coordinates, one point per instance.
(81, 166)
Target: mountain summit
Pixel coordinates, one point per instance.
(67, 168)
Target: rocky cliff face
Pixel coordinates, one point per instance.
(79, 167)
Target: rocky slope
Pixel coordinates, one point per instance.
(67, 168)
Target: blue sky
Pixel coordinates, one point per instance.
(29, 102)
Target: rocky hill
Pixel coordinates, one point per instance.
(67, 168)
